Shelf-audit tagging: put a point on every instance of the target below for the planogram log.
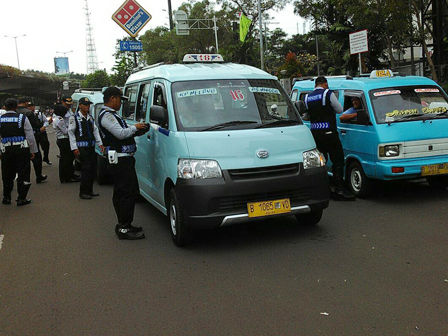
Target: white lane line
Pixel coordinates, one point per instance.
(1, 240)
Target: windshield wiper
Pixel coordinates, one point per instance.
(411, 116)
(444, 114)
(229, 123)
(280, 122)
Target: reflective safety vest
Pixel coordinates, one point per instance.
(84, 132)
(12, 127)
(322, 115)
(110, 141)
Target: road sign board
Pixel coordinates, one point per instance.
(131, 17)
(131, 46)
(358, 42)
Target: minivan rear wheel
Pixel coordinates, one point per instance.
(359, 184)
(180, 233)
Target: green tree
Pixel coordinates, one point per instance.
(98, 79)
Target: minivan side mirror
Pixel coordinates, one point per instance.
(158, 115)
(300, 106)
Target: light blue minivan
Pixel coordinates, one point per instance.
(226, 146)
(400, 130)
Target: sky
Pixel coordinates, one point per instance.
(57, 28)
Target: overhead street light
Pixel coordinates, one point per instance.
(64, 52)
(17, 51)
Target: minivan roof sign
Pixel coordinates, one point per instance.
(202, 58)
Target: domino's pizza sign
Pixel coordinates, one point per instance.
(131, 17)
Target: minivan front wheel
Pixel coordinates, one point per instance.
(180, 233)
(438, 182)
(310, 219)
(360, 185)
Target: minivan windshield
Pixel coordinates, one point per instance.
(212, 105)
(408, 103)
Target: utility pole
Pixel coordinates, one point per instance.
(170, 15)
(260, 20)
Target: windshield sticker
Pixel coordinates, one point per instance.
(386, 93)
(197, 92)
(426, 90)
(263, 90)
(237, 95)
(401, 113)
(435, 110)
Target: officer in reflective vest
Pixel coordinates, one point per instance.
(83, 134)
(322, 105)
(17, 141)
(120, 145)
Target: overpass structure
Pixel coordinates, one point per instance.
(43, 89)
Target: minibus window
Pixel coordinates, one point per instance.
(129, 108)
(409, 103)
(142, 106)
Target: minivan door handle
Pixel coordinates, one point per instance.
(148, 136)
(343, 132)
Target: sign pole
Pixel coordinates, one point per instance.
(360, 64)
(216, 34)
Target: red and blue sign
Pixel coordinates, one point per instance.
(131, 17)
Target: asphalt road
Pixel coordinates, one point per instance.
(371, 267)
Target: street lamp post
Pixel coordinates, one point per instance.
(64, 52)
(17, 50)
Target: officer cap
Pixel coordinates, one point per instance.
(85, 101)
(10, 104)
(114, 91)
(67, 99)
(24, 100)
(320, 80)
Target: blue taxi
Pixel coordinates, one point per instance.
(399, 130)
(226, 146)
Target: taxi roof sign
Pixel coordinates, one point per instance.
(203, 58)
(381, 73)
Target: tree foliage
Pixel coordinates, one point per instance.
(99, 78)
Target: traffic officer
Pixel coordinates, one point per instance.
(17, 141)
(83, 134)
(322, 105)
(119, 139)
(43, 137)
(66, 170)
(26, 107)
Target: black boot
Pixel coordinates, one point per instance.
(22, 189)
(127, 232)
(342, 195)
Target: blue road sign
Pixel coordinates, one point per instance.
(131, 46)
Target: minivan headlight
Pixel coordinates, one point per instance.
(389, 150)
(313, 159)
(198, 169)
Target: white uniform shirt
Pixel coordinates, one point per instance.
(60, 127)
(72, 130)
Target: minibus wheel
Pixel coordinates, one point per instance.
(311, 218)
(180, 233)
(358, 183)
(438, 182)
